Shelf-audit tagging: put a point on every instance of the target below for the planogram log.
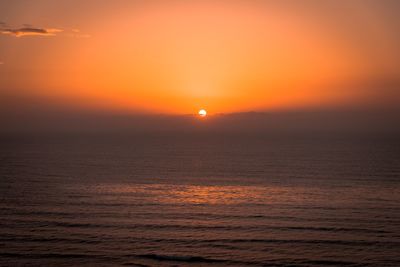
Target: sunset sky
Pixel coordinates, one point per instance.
(175, 57)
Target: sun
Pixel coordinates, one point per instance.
(202, 112)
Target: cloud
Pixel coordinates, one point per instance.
(76, 33)
(30, 31)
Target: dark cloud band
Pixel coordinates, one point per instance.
(31, 31)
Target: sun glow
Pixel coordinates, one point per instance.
(230, 56)
(202, 112)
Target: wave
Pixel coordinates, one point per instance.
(24, 239)
(330, 262)
(177, 258)
(280, 241)
(40, 223)
(160, 257)
(51, 255)
(271, 263)
(12, 211)
(96, 240)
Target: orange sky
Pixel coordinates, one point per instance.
(179, 56)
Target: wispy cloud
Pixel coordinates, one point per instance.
(31, 31)
(77, 34)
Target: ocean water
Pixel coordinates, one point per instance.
(200, 200)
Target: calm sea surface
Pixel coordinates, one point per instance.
(199, 200)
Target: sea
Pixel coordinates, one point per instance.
(199, 199)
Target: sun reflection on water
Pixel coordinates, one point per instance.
(201, 194)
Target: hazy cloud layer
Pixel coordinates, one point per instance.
(28, 114)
